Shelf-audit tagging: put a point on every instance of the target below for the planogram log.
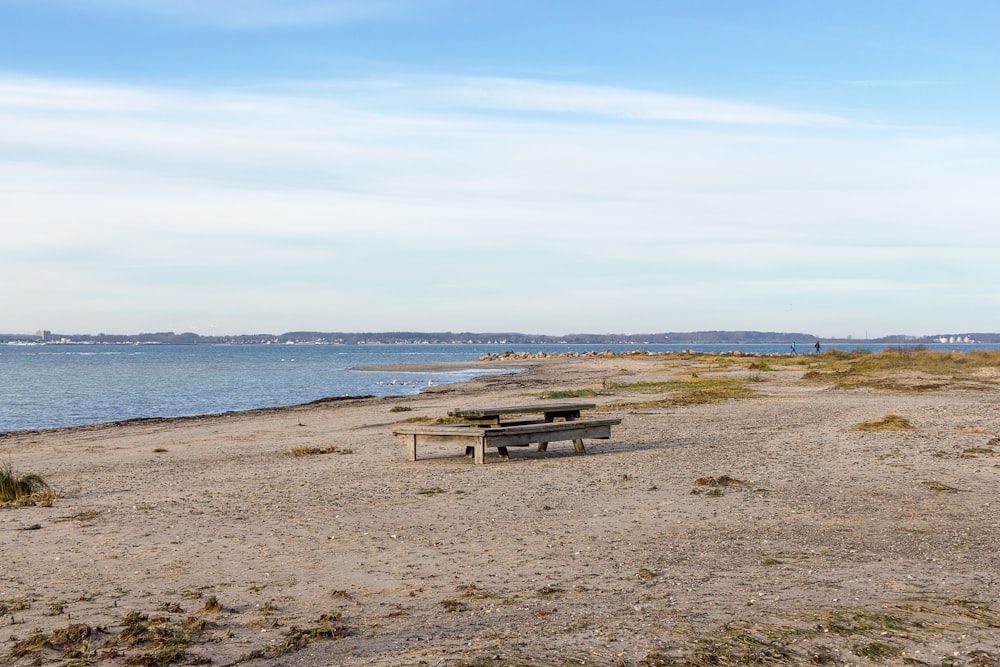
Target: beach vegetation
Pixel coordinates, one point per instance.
(400, 408)
(909, 370)
(475, 592)
(26, 489)
(311, 451)
(212, 605)
(433, 421)
(431, 491)
(693, 391)
(453, 605)
(886, 423)
(13, 604)
(329, 627)
(35, 641)
(568, 393)
(876, 650)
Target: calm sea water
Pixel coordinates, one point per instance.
(49, 386)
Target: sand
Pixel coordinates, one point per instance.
(763, 530)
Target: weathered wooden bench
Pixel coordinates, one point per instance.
(478, 438)
(498, 416)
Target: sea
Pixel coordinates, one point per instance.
(59, 385)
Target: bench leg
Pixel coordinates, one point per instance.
(411, 448)
(578, 445)
(469, 451)
(542, 446)
(502, 452)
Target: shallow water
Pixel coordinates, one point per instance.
(55, 385)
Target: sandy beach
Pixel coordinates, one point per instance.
(760, 529)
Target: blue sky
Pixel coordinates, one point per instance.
(243, 166)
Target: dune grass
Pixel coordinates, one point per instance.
(23, 489)
(903, 369)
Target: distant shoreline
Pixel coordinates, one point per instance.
(715, 337)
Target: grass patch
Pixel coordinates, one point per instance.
(433, 421)
(886, 423)
(431, 491)
(689, 391)
(876, 650)
(28, 489)
(568, 393)
(400, 408)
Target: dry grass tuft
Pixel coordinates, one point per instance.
(29, 489)
(886, 423)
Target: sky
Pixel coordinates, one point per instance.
(534, 166)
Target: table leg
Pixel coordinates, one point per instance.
(480, 451)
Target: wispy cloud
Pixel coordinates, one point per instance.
(625, 103)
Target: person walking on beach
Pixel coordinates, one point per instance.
(792, 346)
(817, 347)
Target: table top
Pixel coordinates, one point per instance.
(480, 413)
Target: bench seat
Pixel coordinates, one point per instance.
(516, 435)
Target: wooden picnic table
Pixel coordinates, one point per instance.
(484, 427)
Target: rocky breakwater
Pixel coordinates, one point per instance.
(521, 356)
(607, 354)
